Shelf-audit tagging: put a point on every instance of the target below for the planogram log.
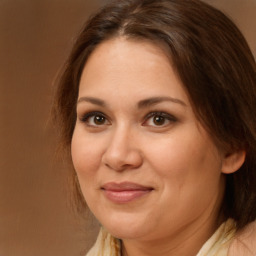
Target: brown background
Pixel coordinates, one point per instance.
(35, 37)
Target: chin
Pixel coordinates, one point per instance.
(126, 232)
(125, 226)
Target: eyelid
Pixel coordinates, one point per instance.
(169, 117)
(165, 115)
(84, 118)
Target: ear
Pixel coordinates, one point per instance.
(233, 161)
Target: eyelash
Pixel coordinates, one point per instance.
(166, 117)
(85, 118)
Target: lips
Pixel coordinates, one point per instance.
(124, 192)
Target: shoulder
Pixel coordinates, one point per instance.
(244, 243)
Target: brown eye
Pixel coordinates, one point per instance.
(99, 120)
(159, 120)
(94, 119)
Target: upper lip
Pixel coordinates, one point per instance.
(124, 186)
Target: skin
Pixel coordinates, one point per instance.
(175, 157)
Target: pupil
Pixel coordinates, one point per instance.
(159, 120)
(99, 119)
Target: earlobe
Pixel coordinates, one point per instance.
(233, 161)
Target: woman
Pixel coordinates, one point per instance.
(157, 104)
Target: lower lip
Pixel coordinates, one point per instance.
(125, 196)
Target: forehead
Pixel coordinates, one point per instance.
(123, 65)
(132, 53)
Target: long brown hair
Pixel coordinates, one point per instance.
(214, 63)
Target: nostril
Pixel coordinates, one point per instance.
(121, 153)
(131, 159)
(120, 167)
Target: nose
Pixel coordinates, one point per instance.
(122, 152)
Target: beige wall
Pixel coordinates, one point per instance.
(35, 36)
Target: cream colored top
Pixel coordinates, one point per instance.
(224, 242)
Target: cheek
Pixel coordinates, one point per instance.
(85, 155)
(189, 159)
(189, 171)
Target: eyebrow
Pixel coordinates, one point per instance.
(155, 100)
(92, 100)
(141, 104)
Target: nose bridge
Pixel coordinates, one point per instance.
(120, 138)
(122, 151)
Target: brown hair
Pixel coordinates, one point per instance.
(211, 58)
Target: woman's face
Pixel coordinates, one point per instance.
(146, 166)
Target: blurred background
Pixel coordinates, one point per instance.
(35, 39)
